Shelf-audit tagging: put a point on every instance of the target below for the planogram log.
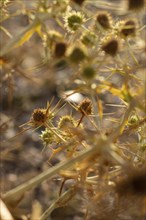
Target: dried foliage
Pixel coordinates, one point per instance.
(88, 144)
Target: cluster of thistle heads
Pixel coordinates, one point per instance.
(87, 42)
(85, 36)
(64, 131)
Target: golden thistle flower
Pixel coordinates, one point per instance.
(40, 116)
(85, 107)
(73, 20)
(47, 137)
(66, 122)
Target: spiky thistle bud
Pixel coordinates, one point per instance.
(39, 115)
(128, 28)
(77, 54)
(88, 38)
(88, 72)
(65, 122)
(85, 107)
(60, 49)
(104, 20)
(110, 46)
(47, 137)
(73, 20)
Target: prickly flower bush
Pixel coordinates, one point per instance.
(93, 53)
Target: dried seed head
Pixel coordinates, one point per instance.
(47, 137)
(135, 4)
(111, 46)
(79, 2)
(66, 122)
(77, 54)
(128, 28)
(88, 72)
(85, 106)
(60, 49)
(73, 19)
(88, 38)
(104, 20)
(39, 115)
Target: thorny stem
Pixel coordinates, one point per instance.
(61, 187)
(131, 53)
(120, 129)
(95, 110)
(103, 146)
(80, 120)
(51, 129)
(61, 201)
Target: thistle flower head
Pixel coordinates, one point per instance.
(110, 46)
(47, 137)
(103, 19)
(66, 122)
(88, 38)
(39, 115)
(60, 49)
(77, 54)
(85, 107)
(88, 72)
(73, 20)
(128, 28)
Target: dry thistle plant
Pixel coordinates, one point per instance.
(91, 55)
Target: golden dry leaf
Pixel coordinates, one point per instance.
(27, 35)
(21, 38)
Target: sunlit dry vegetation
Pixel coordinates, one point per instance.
(73, 122)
